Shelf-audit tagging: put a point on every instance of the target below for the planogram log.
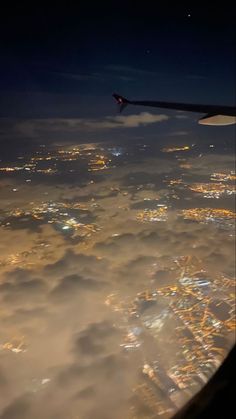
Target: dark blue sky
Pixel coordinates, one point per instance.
(67, 62)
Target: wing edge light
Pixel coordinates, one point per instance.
(121, 101)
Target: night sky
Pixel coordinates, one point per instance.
(67, 62)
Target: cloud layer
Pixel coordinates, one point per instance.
(39, 128)
(68, 306)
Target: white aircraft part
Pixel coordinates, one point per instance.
(217, 120)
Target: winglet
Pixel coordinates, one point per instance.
(121, 101)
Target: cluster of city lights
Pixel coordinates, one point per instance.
(192, 306)
(56, 213)
(153, 215)
(215, 215)
(213, 190)
(175, 148)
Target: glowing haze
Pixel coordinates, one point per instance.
(116, 278)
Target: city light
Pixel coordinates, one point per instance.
(175, 148)
(173, 316)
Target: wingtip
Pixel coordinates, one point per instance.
(121, 101)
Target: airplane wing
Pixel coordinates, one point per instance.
(214, 115)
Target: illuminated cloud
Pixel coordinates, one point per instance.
(36, 128)
(65, 308)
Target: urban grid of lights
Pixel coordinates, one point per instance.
(190, 305)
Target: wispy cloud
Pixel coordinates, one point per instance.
(117, 72)
(178, 133)
(109, 122)
(95, 76)
(131, 70)
(195, 77)
(36, 127)
(180, 115)
(80, 76)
